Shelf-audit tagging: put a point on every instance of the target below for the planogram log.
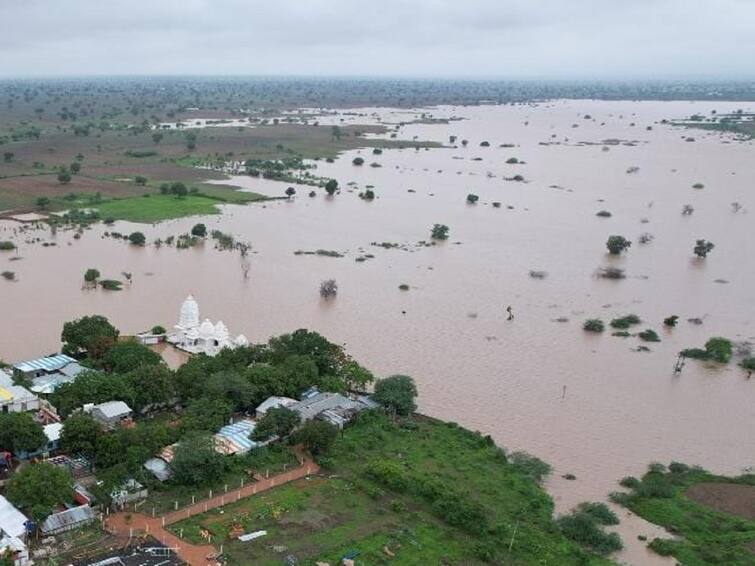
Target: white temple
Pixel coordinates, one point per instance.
(205, 338)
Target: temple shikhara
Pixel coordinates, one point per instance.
(201, 338)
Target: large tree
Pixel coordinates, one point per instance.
(129, 355)
(195, 461)
(316, 436)
(79, 435)
(206, 414)
(39, 488)
(397, 394)
(91, 334)
(151, 385)
(91, 387)
(19, 432)
(278, 421)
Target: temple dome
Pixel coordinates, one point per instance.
(241, 340)
(207, 330)
(189, 314)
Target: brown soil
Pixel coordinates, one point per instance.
(732, 498)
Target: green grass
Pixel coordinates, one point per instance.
(346, 509)
(705, 536)
(158, 207)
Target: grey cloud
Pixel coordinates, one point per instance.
(514, 38)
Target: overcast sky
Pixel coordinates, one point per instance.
(498, 38)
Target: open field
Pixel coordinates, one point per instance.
(713, 517)
(347, 510)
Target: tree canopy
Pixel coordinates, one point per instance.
(397, 394)
(91, 334)
(19, 432)
(39, 488)
(278, 421)
(195, 461)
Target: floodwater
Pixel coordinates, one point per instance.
(590, 405)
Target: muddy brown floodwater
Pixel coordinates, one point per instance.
(590, 405)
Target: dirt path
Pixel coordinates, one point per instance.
(127, 524)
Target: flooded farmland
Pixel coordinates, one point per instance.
(591, 405)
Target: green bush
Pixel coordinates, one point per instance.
(629, 482)
(583, 528)
(7, 246)
(664, 547)
(593, 325)
(748, 363)
(625, 321)
(600, 512)
(530, 465)
(649, 335)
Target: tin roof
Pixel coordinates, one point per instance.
(68, 518)
(48, 363)
(112, 409)
(234, 438)
(12, 521)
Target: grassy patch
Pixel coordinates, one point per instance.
(706, 536)
(163, 207)
(404, 489)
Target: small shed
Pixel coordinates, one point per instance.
(111, 414)
(67, 520)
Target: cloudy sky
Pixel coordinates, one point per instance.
(498, 38)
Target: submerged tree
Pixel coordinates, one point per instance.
(331, 187)
(703, 247)
(617, 244)
(328, 288)
(439, 232)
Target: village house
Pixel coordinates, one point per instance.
(334, 408)
(110, 414)
(52, 432)
(273, 403)
(49, 372)
(13, 533)
(15, 398)
(67, 520)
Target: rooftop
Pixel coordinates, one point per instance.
(112, 409)
(12, 521)
(48, 363)
(234, 438)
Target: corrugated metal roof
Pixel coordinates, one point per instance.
(113, 409)
(68, 518)
(234, 438)
(313, 406)
(274, 402)
(49, 363)
(12, 521)
(159, 468)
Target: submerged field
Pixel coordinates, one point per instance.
(353, 509)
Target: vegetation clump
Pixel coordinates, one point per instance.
(617, 244)
(593, 325)
(625, 321)
(717, 349)
(671, 321)
(649, 335)
(439, 232)
(584, 525)
(703, 248)
(472, 198)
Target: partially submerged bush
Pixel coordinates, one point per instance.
(649, 335)
(603, 214)
(472, 198)
(717, 349)
(530, 465)
(439, 232)
(610, 272)
(600, 512)
(583, 528)
(7, 246)
(593, 325)
(625, 321)
(536, 274)
(617, 244)
(328, 288)
(671, 321)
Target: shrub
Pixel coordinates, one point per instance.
(603, 214)
(472, 198)
(512, 160)
(91, 275)
(671, 321)
(678, 468)
(695, 353)
(157, 329)
(630, 482)
(328, 288)
(625, 321)
(8, 275)
(377, 151)
(7, 246)
(535, 274)
(649, 335)
(331, 186)
(139, 153)
(664, 547)
(199, 230)
(111, 284)
(748, 363)
(719, 349)
(593, 325)
(137, 238)
(404, 287)
(358, 161)
(583, 528)
(600, 512)
(140, 180)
